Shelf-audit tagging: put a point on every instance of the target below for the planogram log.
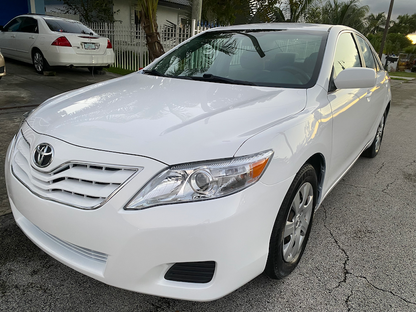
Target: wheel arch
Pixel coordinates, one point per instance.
(388, 108)
(318, 162)
(35, 49)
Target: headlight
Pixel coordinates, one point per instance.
(201, 181)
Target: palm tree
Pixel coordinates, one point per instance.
(375, 23)
(297, 9)
(147, 13)
(278, 10)
(348, 13)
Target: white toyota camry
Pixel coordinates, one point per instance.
(191, 177)
(52, 41)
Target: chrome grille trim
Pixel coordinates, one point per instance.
(80, 185)
(81, 251)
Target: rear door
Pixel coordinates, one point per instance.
(379, 93)
(351, 109)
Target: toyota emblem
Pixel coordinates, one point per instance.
(43, 155)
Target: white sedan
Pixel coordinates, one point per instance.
(46, 41)
(191, 177)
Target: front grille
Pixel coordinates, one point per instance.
(80, 185)
(191, 272)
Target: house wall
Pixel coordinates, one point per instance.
(125, 14)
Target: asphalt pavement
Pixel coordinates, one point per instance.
(360, 256)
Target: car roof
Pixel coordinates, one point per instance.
(48, 17)
(285, 26)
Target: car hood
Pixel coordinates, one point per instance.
(171, 120)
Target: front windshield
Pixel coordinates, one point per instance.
(263, 58)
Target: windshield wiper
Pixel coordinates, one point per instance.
(153, 72)
(213, 78)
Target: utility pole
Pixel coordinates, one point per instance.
(196, 10)
(196, 15)
(386, 29)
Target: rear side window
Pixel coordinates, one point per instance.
(346, 54)
(68, 26)
(367, 53)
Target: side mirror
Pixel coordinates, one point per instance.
(356, 77)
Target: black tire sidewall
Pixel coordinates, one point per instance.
(276, 267)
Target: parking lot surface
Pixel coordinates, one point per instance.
(360, 256)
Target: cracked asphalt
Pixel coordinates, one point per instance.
(360, 256)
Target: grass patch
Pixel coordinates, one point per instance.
(402, 74)
(119, 71)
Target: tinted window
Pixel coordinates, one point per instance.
(68, 26)
(29, 25)
(267, 58)
(367, 53)
(13, 25)
(346, 54)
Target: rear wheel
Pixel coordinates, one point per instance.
(293, 224)
(39, 62)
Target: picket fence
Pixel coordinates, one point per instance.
(129, 41)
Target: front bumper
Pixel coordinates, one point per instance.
(134, 249)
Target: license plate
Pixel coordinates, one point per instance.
(91, 46)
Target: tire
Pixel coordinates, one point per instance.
(39, 62)
(293, 224)
(374, 148)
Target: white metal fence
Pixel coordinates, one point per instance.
(129, 41)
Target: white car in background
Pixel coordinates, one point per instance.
(46, 41)
(2, 66)
(191, 177)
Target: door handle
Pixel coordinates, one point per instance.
(12, 36)
(31, 37)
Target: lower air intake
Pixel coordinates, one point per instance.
(191, 272)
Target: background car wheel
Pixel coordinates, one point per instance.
(39, 62)
(374, 148)
(293, 224)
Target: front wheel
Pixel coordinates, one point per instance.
(293, 224)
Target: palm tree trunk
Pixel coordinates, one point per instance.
(147, 9)
(152, 37)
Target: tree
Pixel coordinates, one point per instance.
(405, 24)
(375, 23)
(348, 13)
(90, 11)
(395, 43)
(147, 14)
(295, 10)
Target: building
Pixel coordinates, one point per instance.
(17, 7)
